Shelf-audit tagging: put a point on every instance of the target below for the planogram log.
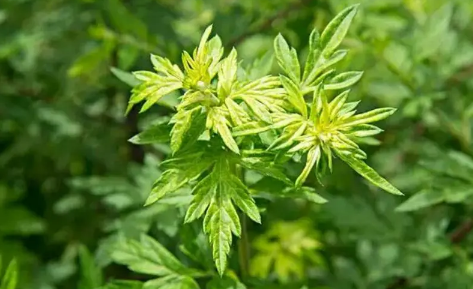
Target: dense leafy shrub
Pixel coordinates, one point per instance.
(254, 127)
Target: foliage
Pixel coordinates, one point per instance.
(217, 103)
(251, 151)
(286, 246)
(10, 278)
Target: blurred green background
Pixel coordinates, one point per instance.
(68, 175)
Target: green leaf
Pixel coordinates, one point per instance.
(314, 51)
(250, 128)
(260, 67)
(182, 124)
(312, 157)
(125, 77)
(313, 197)
(227, 74)
(316, 106)
(287, 58)
(182, 169)
(262, 162)
(288, 136)
(368, 117)
(117, 11)
(156, 133)
(343, 80)
(169, 182)
(215, 195)
(217, 121)
(458, 194)
(462, 159)
(337, 104)
(336, 30)
(122, 284)
(238, 115)
(321, 71)
(147, 256)
(88, 63)
(203, 40)
(429, 38)
(368, 173)
(157, 93)
(172, 282)
(168, 79)
(258, 109)
(241, 197)
(220, 221)
(91, 276)
(203, 193)
(10, 278)
(363, 130)
(215, 53)
(295, 96)
(166, 258)
(305, 193)
(421, 200)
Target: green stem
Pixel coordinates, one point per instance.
(243, 242)
(244, 249)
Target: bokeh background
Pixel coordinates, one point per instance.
(69, 178)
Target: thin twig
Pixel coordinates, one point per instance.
(244, 249)
(461, 232)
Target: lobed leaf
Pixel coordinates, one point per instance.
(217, 121)
(182, 124)
(181, 171)
(215, 195)
(147, 256)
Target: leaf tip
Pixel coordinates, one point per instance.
(150, 200)
(133, 140)
(354, 7)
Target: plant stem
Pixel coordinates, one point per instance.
(244, 249)
(243, 242)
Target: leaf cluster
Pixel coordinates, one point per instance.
(219, 125)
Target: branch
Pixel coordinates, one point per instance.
(462, 75)
(266, 24)
(461, 232)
